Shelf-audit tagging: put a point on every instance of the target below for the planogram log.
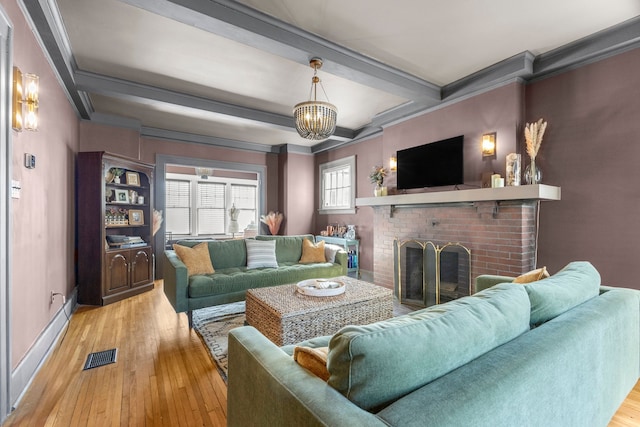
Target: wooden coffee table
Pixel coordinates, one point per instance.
(288, 317)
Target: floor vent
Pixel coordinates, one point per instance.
(100, 358)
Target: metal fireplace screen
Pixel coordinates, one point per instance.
(426, 274)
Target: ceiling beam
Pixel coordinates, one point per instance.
(248, 26)
(144, 94)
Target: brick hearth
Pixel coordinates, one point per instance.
(501, 237)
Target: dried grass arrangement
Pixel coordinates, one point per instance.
(533, 133)
(273, 221)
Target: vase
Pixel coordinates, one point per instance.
(380, 191)
(513, 169)
(116, 180)
(532, 174)
(351, 232)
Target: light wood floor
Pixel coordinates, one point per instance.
(163, 376)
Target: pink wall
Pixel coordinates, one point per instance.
(368, 153)
(43, 218)
(296, 184)
(591, 150)
(127, 142)
(500, 110)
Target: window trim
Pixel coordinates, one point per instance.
(345, 161)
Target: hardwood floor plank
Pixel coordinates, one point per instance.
(164, 375)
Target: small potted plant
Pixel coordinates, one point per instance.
(377, 177)
(117, 173)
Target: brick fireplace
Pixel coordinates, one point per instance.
(501, 237)
(498, 226)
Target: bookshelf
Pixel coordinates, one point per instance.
(114, 219)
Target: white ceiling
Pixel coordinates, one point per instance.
(227, 72)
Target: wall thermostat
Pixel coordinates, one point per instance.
(29, 161)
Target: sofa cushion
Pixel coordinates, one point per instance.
(373, 365)
(288, 248)
(230, 280)
(578, 282)
(196, 259)
(261, 254)
(312, 252)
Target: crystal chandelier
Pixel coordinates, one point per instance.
(315, 120)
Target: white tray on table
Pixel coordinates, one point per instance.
(320, 287)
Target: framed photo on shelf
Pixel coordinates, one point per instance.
(133, 178)
(121, 196)
(136, 217)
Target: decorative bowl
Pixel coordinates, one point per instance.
(320, 287)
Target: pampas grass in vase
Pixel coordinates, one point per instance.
(533, 133)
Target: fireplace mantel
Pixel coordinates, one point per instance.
(522, 192)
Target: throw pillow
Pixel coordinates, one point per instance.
(261, 253)
(312, 252)
(532, 276)
(196, 259)
(313, 359)
(330, 252)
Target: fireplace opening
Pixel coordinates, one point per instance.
(428, 274)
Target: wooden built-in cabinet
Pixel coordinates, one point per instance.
(109, 270)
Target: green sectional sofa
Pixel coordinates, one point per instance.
(562, 351)
(232, 278)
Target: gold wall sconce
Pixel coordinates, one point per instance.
(25, 101)
(489, 144)
(393, 164)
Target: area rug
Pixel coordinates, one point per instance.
(213, 325)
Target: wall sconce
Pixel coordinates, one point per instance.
(489, 144)
(25, 101)
(393, 163)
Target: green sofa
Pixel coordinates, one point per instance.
(562, 351)
(231, 279)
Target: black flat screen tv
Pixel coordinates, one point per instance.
(435, 164)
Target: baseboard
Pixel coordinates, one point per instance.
(24, 373)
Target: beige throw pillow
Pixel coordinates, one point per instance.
(313, 359)
(312, 252)
(196, 259)
(532, 276)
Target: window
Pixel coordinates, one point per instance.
(338, 186)
(197, 207)
(178, 206)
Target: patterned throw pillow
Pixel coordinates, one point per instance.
(196, 259)
(312, 252)
(261, 253)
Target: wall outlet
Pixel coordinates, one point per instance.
(29, 161)
(53, 297)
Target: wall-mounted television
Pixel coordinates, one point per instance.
(435, 164)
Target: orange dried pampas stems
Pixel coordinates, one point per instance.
(273, 221)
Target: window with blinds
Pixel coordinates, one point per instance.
(195, 207)
(178, 206)
(337, 186)
(211, 208)
(244, 198)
